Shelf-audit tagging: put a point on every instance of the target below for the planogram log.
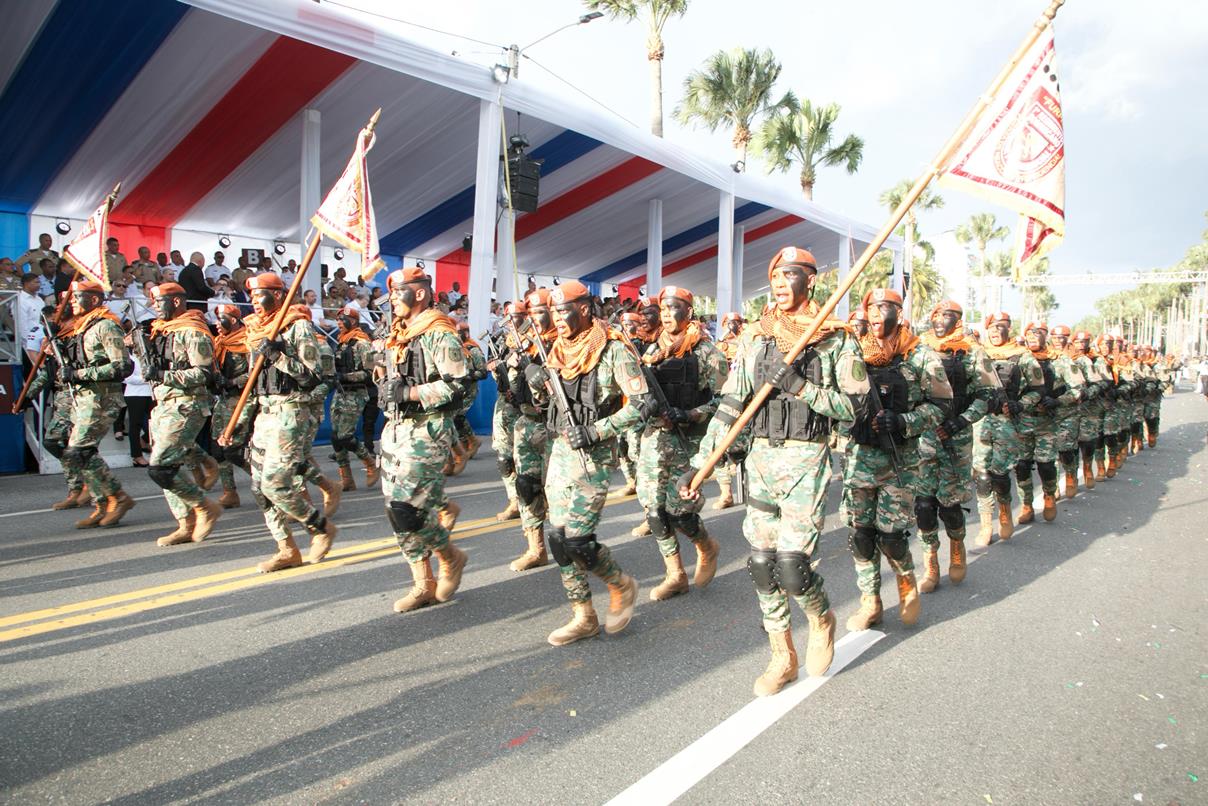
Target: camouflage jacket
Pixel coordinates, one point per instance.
(106, 359)
(714, 369)
(301, 361)
(983, 388)
(188, 365)
(929, 400)
(446, 367)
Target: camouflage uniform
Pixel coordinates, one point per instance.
(354, 367)
(1037, 428)
(503, 427)
(318, 400)
(998, 445)
(1089, 414)
(723, 474)
(476, 362)
(530, 444)
(58, 427)
(232, 376)
(1105, 445)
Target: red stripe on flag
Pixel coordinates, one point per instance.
(277, 87)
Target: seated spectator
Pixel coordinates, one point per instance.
(140, 305)
(311, 299)
(118, 303)
(222, 296)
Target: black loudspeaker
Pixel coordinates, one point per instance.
(525, 176)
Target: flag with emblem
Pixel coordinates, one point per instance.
(346, 215)
(1015, 153)
(87, 252)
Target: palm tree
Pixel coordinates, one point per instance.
(924, 280)
(657, 13)
(927, 201)
(978, 232)
(800, 133)
(731, 90)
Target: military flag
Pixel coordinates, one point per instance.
(87, 252)
(346, 215)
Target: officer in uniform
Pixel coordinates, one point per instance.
(180, 371)
(909, 396)
(596, 372)
(421, 390)
(946, 454)
(789, 457)
(231, 368)
(354, 369)
(503, 422)
(1090, 411)
(1068, 419)
(732, 325)
(477, 364)
(282, 429)
(997, 446)
(690, 372)
(629, 442)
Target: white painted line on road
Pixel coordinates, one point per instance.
(689, 766)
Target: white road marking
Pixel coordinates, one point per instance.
(689, 766)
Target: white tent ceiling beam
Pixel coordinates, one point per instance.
(726, 290)
(310, 193)
(486, 199)
(654, 247)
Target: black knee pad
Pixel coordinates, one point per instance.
(506, 465)
(1069, 458)
(556, 535)
(55, 448)
(659, 522)
(1087, 449)
(259, 497)
(1001, 484)
(689, 523)
(219, 453)
(793, 572)
(895, 545)
(79, 455)
(761, 565)
(163, 475)
(925, 511)
(1101, 441)
(339, 443)
(1023, 470)
(952, 516)
(404, 517)
(315, 523)
(863, 543)
(238, 457)
(528, 488)
(1047, 471)
(982, 483)
(584, 549)
(1138, 429)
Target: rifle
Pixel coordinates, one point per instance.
(33, 372)
(886, 439)
(500, 372)
(553, 386)
(660, 396)
(57, 352)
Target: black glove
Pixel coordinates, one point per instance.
(685, 479)
(954, 425)
(272, 349)
(1049, 404)
(1014, 407)
(890, 422)
(736, 455)
(535, 376)
(401, 393)
(153, 374)
(1110, 393)
(787, 379)
(581, 436)
(68, 374)
(53, 327)
(678, 416)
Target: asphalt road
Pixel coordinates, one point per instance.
(1071, 667)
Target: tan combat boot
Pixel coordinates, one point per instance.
(986, 532)
(458, 461)
(331, 496)
(423, 593)
(208, 469)
(1152, 438)
(287, 556)
(206, 514)
(621, 598)
(958, 566)
(630, 488)
(183, 533)
(1026, 513)
(674, 583)
(70, 502)
(1050, 507)
(1113, 465)
(452, 561)
(1071, 485)
(534, 556)
(909, 604)
(931, 570)
(84, 498)
(229, 499)
(641, 530)
(1088, 477)
(782, 668)
(93, 518)
(583, 624)
(707, 550)
(474, 443)
(868, 614)
(1006, 526)
(448, 514)
(725, 501)
(510, 513)
(346, 481)
(116, 506)
(1100, 469)
(820, 650)
(320, 540)
(371, 472)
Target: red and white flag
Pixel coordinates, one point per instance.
(1015, 154)
(87, 251)
(346, 215)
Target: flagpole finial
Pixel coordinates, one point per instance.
(116, 189)
(373, 120)
(1051, 11)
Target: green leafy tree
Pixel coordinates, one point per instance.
(800, 134)
(925, 283)
(978, 233)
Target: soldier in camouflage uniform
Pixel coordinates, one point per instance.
(787, 447)
(1090, 411)
(732, 325)
(503, 422)
(421, 390)
(645, 332)
(596, 371)
(946, 454)
(909, 396)
(1068, 419)
(997, 444)
(858, 321)
(1060, 388)
(281, 432)
(230, 368)
(1113, 410)
(97, 361)
(1158, 378)
(690, 372)
(58, 427)
(630, 442)
(309, 470)
(354, 374)
(180, 370)
(477, 364)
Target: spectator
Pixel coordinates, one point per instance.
(240, 275)
(455, 295)
(11, 279)
(361, 305)
(316, 310)
(192, 280)
(29, 315)
(137, 393)
(288, 272)
(239, 295)
(222, 296)
(442, 301)
(167, 275)
(46, 280)
(140, 303)
(178, 262)
(34, 257)
(339, 286)
(115, 261)
(118, 303)
(216, 269)
(145, 268)
(63, 278)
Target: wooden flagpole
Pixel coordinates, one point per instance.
(933, 170)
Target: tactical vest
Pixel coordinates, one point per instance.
(958, 379)
(783, 417)
(75, 355)
(679, 379)
(1053, 386)
(1010, 376)
(894, 394)
(159, 352)
(346, 362)
(581, 394)
(414, 371)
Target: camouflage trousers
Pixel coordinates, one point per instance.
(461, 421)
(235, 454)
(346, 408)
(878, 497)
(996, 450)
(309, 469)
(723, 474)
(92, 415)
(575, 498)
(944, 473)
(662, 460)
(175, 424)
(1152, 407)
(629, 447)
(1038, 446)
(413, 454)
(57, 432)
(1066, 427)
(281, 438)
(503, 423)
(1090, 421)
(530, 450)
(786, 510)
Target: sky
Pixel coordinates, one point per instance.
(1133, 83)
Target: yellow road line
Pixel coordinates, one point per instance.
(216, 584)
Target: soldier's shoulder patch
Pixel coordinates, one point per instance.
(635, 385)
(858, 372)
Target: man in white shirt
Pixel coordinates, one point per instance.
(140, 302)
(216, 269)
(316, 310)
(118, 302)
(361, 306)
(222, 296)
(455, 294)
(29, 315)
(288, 271)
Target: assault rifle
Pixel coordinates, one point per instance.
(500, 372)
(886, 438)
(660, 397)
(57, 352)
(553, 385)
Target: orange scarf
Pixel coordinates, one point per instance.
(647, 335)
(257, 329)
(433, 319)
(1047, 354)
(954, 342)
(189, 320)
(786, 328)
(669, 346)
(80, 324)
(876, 355)
(579, 355)
(233, 342)
(1008, 349)
(356, 334)
(468, 345)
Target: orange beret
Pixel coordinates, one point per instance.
(517, 308)
(570, 291)
(1083, 334)
(732, 315)
(792, 256)
(648, 302)
(1037, 325)
(948, 305)
(1060, 330)
(86, 285)
(168, 289)
(631, 317)
(267, 279)
(675, 292)
(348, 310)
(230, 310)
(858, 315)
(411, 274)
(1000, 316)
(879, 295)
(538, 296)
